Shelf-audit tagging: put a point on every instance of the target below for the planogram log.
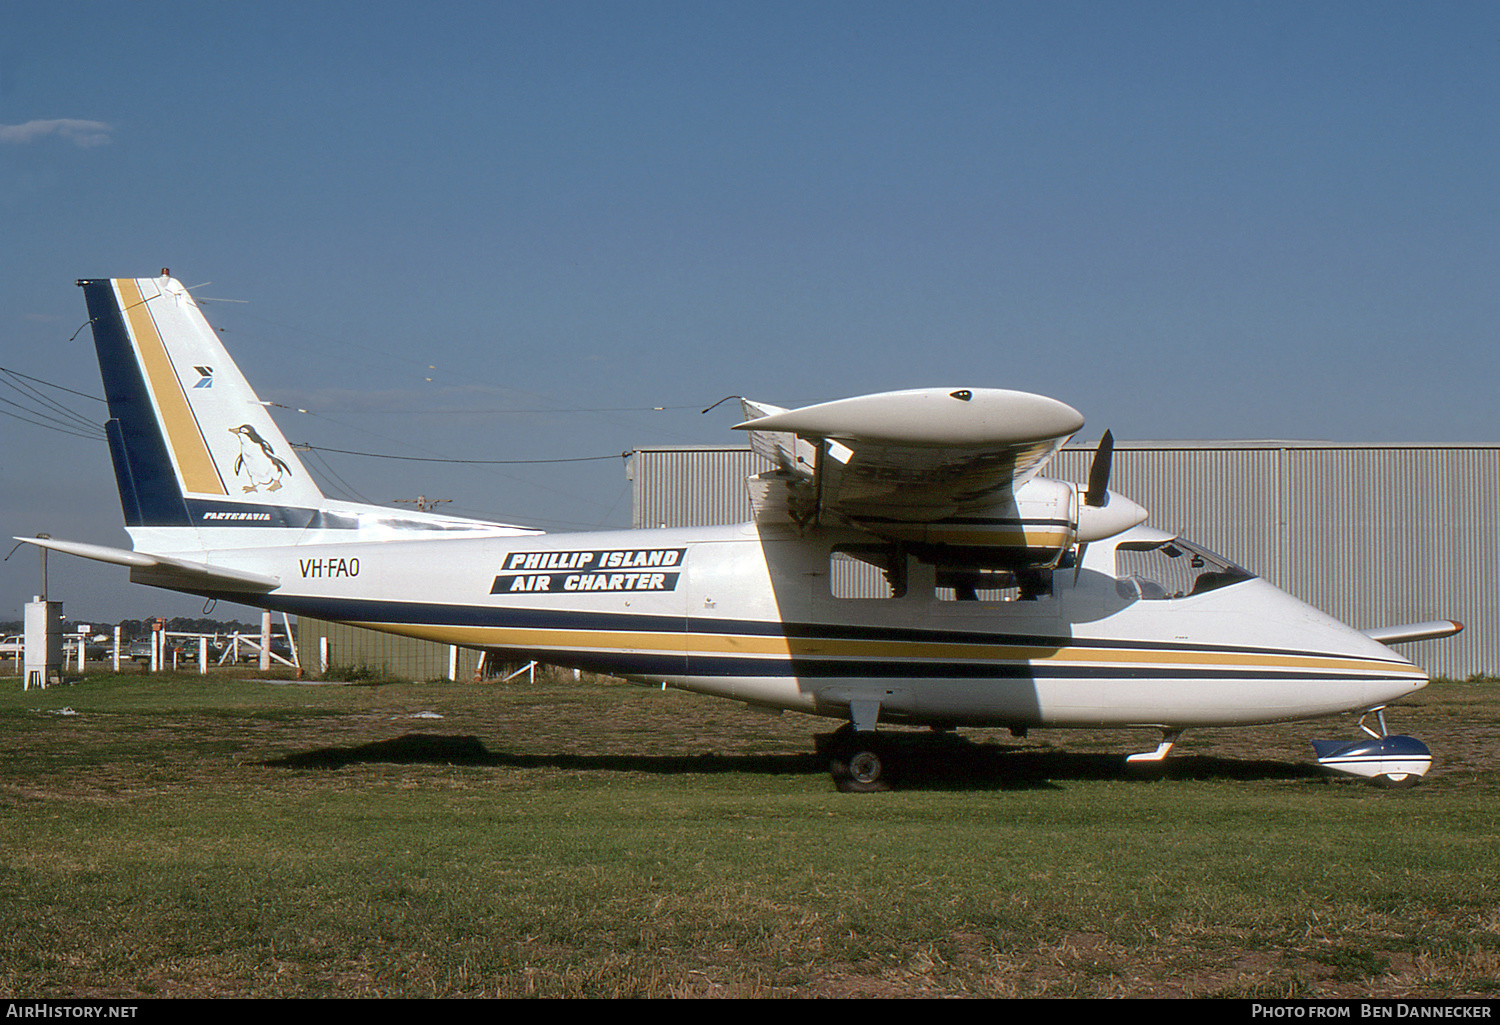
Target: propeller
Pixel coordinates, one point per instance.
(1104, 458)
(1099, 470)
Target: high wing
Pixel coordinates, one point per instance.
(952, 472)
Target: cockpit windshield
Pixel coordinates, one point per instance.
(1164, 570)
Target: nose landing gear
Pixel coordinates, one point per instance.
(1387, 760)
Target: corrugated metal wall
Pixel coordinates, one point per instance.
(1372, 534)
(405, 658)
(691, 487)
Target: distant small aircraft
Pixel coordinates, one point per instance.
(905, 565)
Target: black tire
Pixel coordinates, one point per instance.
(860, 765)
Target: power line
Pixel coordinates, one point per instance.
(306, 447)
(31, 394)
(348, 488)
(64, 429)
(45, 412)
(49, 384)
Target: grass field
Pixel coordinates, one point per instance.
(212, 836)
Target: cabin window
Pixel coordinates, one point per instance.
(867, 571)
(993, 585)
(1164, 570)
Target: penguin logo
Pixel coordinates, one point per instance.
(257, 461)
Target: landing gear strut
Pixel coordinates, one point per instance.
(1153, 764)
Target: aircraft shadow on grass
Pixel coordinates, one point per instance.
(944, 764)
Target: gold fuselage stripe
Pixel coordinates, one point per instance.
(595, 641)
(979, 535)
(195, 464)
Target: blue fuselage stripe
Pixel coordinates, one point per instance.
(395, 615)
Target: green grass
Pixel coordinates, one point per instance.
(211, 836)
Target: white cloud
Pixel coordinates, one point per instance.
(82, 133)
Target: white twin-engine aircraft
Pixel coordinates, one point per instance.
(905, 565)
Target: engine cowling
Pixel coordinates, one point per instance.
(1030, 529)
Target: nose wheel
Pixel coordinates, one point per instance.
(1386, 760)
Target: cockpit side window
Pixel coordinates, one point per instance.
(1166, 570)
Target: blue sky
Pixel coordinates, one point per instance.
(512, 230)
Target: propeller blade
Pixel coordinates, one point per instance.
(1083, 546)
(1099, 472)
(1104, 458)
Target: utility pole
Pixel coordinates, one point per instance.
(422, 502)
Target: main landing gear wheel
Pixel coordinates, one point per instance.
(860, 763)
(1397, 780)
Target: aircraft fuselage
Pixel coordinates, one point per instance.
(758, 614)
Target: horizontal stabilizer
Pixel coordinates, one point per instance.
(163, 570)
(1414, 631)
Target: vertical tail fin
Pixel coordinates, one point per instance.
(193, 447)
(192, 444)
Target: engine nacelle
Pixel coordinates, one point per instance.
(1031, 528)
